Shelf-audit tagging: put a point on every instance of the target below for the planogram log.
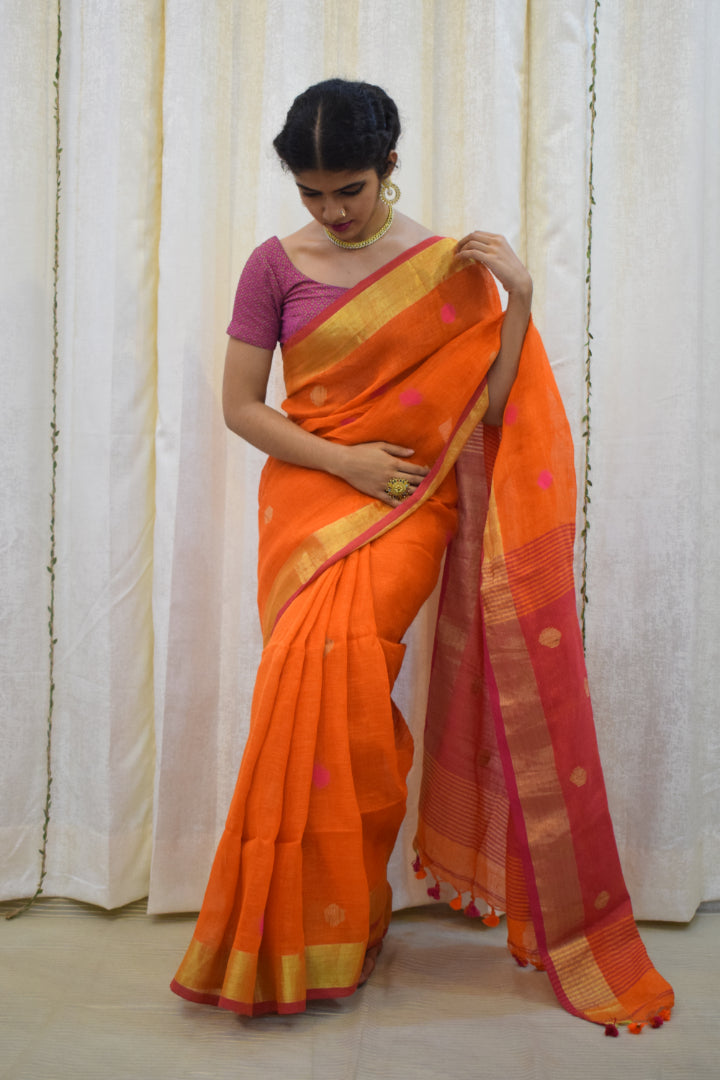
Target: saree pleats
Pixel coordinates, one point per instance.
(513, 808)
(298, 890)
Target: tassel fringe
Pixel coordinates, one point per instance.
(491, 918)
(635, 1027)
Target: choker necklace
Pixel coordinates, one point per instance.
(354, 245)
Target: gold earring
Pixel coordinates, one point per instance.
(389, 192)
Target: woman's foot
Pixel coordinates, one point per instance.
(369, 963)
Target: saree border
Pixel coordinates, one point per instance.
(366, 308)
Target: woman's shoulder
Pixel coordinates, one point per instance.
(409, 231)
(270, 261)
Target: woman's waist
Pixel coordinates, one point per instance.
(309, 516)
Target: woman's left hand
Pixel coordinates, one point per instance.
(493, 251)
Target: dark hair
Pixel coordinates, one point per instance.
(339, 126)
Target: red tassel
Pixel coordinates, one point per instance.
(611, 1029)
(417, 865)
(521, 961)
(471, 911)
(635, 1029)
(657, 1021)
(434, 891)
(456, 902)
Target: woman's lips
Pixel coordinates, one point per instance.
(341, 226)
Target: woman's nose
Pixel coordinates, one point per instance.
(333, 210)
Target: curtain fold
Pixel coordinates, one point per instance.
(27, 216)
(103, 752)
(653, 644)
(168, 181)
(99, 835)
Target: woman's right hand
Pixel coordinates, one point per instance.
(369, 466)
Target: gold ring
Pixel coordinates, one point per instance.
(397, 488)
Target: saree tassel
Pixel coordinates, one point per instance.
(471, 911)
(521, 961)
(635, 1029)
(657, 1021)
(611, 1030)
(457, 902)
(665, 1015)
(434, 891)
(417, 865)
(491, 919)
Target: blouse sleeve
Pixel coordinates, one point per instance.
(257, 311)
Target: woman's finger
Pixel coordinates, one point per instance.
(396, 451)
(407, 470)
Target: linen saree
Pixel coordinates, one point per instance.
(513, 809)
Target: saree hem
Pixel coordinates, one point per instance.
(261, 1008)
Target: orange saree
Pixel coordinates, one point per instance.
(512, 811)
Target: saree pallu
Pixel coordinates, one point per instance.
(298, 890)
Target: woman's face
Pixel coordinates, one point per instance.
(327, 194)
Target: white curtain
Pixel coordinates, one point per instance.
(168, 181)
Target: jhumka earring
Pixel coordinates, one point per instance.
(389, 192)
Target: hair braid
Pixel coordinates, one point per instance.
(340, 126)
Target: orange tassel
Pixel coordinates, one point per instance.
(491, 919)
(665, 1014)
(421, 874)
(635, 1029)
(456, 903)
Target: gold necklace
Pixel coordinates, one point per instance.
(354, 245)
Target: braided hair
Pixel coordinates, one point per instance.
(339, 126)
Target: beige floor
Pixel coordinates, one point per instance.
(83, 994)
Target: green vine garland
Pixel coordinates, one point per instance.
(54, 432)
(587, 482)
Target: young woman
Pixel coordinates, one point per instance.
(400, 366)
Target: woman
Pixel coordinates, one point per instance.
(395, 348)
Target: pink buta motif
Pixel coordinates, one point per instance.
(447, 313)
(410, 397)
(545, 479)
(321, 776)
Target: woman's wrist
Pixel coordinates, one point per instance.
(336, 457)
(522, 292)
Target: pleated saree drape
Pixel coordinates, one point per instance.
(298, 889)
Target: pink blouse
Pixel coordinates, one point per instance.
(273, 299)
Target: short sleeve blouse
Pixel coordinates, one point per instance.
(273, 299)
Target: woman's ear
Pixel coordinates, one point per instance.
(391, 163)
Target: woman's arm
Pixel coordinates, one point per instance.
(367, 467)
(494, 252)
